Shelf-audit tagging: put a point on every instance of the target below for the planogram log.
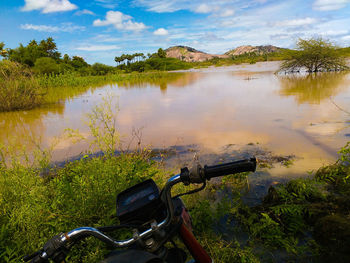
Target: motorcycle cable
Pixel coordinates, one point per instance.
(192, 191)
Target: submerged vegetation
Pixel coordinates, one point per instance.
(21, 89)
(315, 55)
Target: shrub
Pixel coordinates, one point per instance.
(101, 69)
(46, 65)
(18, 87)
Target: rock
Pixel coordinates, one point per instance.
(272, 196)
(189, 54)
(259, 50)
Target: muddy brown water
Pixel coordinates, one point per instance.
(212, 108)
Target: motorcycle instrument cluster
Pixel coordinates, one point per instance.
(138, 203)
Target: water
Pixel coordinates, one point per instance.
(211, 108)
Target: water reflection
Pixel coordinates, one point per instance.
(312, 88)
(24, 131)
(176, 79)
(212, 109)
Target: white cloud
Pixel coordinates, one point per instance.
(160, 6)
(328, 5)
(120, 21)
(227, 12)
(198, 6)
(48, 6)
(346, 37)
(97, 47)
(203, 9)
(335, 32)
(297, 22)
(84, 12)
(111, 4)
(65, 27)
(161, 32)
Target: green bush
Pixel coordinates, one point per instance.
(19, 89)
(102, 69)
(46, 65)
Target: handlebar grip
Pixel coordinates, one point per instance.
(247, 165)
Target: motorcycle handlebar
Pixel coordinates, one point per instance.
(248, 165)
(198, 176)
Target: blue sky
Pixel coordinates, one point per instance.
(99, 30)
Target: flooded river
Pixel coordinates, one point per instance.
(213, 109)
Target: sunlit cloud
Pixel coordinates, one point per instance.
(84, 12)
(49, 6)
(64, 27)
(227, 12)
(296, 22)
(329, 5)
(203, 9)
(97, 47)
(120, 21)
(161, 32)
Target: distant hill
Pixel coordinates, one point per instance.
(190, 54)
(259, 50)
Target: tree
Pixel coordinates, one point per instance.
(161, 53)
(78, 62)
(49, 47)
(30, 53)
(2, 50)
(66, 59)
(315, 55)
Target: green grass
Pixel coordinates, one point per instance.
(34, 208)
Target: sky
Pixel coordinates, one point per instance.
(99, 30)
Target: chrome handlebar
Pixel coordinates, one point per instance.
(199, 175)
(81, 232)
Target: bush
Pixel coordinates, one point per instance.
(46, 65)
(18, 87)
(101, 69)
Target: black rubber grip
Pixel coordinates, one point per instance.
(247, 165)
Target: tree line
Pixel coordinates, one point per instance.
(44, 58)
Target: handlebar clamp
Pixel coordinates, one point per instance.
(193, 176)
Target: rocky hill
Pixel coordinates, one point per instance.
(189, 54)
(259, 50)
